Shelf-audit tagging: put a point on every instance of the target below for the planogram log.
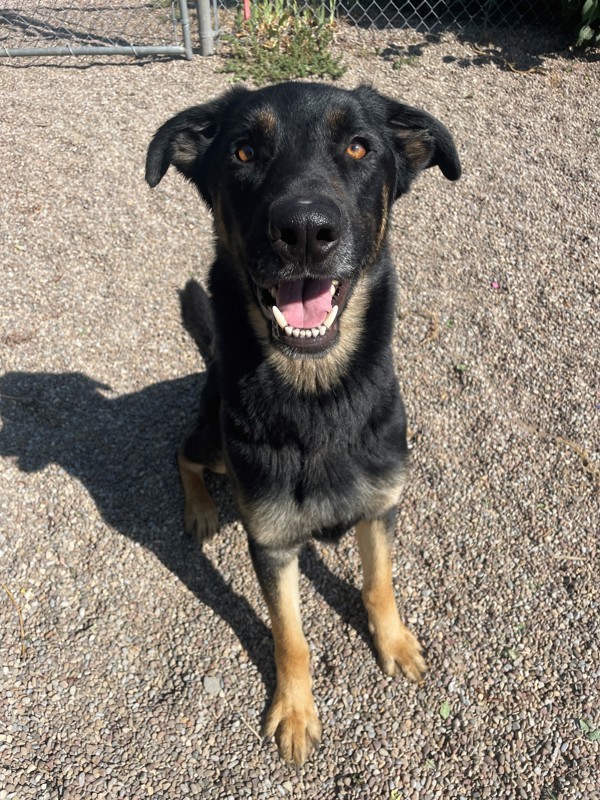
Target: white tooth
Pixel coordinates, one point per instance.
(332, 289)
(315, 332)
(288, 330)
(274, 292)
(302, 333)
(322, 330)
(328, 321)
(309, 333)
(335, 283)
(279, 318)
(295, 333)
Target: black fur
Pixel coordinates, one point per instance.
(197, 319)
(315, 457)
(281, 442)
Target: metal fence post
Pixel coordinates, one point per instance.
(185, 29)
(207, 47)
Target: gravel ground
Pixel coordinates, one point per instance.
(144, 667)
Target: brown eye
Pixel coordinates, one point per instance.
(356, 150)
(244, 152)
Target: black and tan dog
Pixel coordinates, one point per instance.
(301, 405)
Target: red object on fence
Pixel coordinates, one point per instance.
(246, 9)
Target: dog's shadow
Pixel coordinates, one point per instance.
(122, 449)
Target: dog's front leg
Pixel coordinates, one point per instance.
(292, 717)
(396, 646)
(201, 519)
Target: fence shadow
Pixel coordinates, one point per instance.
(82, 63)
(522, 51)
(40, 28)
(519, 51)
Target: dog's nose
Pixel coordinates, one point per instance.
(304, 230)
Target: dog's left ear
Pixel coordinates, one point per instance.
(422, 140)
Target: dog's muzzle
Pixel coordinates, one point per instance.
(304, 306)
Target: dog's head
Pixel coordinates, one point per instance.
(300, 178)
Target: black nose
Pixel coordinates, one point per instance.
(304, 230)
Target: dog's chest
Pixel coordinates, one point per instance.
(283, 519)
(315, 476)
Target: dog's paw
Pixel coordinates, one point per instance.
(201, 520)
(401, 653)
(294, 723)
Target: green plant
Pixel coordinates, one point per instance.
(405, 61)
(283, 40)
(591, 734)
(584, 17)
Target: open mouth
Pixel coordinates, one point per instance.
(304, 312)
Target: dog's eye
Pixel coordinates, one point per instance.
(356, 150)
(244, 152)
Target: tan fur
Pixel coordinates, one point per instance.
(418, 147)
(385, 204)
(185, 150)
(220, 228)
(228, 234)
(292, 717)
(285, 521)
(396, 646)
(314, 374)
(334, 119)
(266, 120)
(200, 516)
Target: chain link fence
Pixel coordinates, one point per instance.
(95, 27)
(163, 27)
(427, 16)
(430, 15)
(437, 15)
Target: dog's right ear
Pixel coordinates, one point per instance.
(184, 139)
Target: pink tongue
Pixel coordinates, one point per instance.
(304, 303)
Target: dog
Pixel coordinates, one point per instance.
(301, 405)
